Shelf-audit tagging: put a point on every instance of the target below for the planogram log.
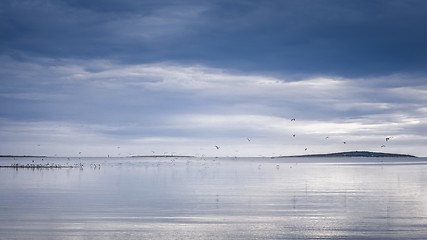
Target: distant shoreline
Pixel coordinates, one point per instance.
(163, 156)
(353, 154)
(336, 154)
(136, 156)
(22, 156)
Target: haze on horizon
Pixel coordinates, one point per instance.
(125, 78)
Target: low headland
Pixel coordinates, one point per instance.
(163, 156)
(354, 154)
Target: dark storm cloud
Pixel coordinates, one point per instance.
(332, 37)
(349, 38)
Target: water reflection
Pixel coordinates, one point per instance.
(192, 198)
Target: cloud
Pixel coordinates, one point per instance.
(186, 108)
(195, 74)
(339, 38)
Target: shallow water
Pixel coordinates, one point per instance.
(214, 198)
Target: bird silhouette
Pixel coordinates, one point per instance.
(293, 120)
(216, 147)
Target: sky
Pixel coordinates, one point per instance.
(128, 77)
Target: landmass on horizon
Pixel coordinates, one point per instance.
(335, 154)
(354, 154)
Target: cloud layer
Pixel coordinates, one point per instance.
(380, 37)
(204, 107)
(161, 76)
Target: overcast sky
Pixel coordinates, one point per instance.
(132, 77)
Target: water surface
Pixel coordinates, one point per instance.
(214, 198)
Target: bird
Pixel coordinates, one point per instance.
(248, 139)
(387, 139)
(326, 137)
(382, 146)
(293, 135)
(293, 120)
(344, 142)
(216, 147)
(305, 149)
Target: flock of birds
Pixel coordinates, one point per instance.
(306, 148)
(387, 139)
(164, 154)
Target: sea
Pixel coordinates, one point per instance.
(172, 197)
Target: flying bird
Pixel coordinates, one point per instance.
(387, 138)
(216, 147)
(248, 139)
(293, 120)
(293, 135)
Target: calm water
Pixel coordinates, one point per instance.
(194, 198)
